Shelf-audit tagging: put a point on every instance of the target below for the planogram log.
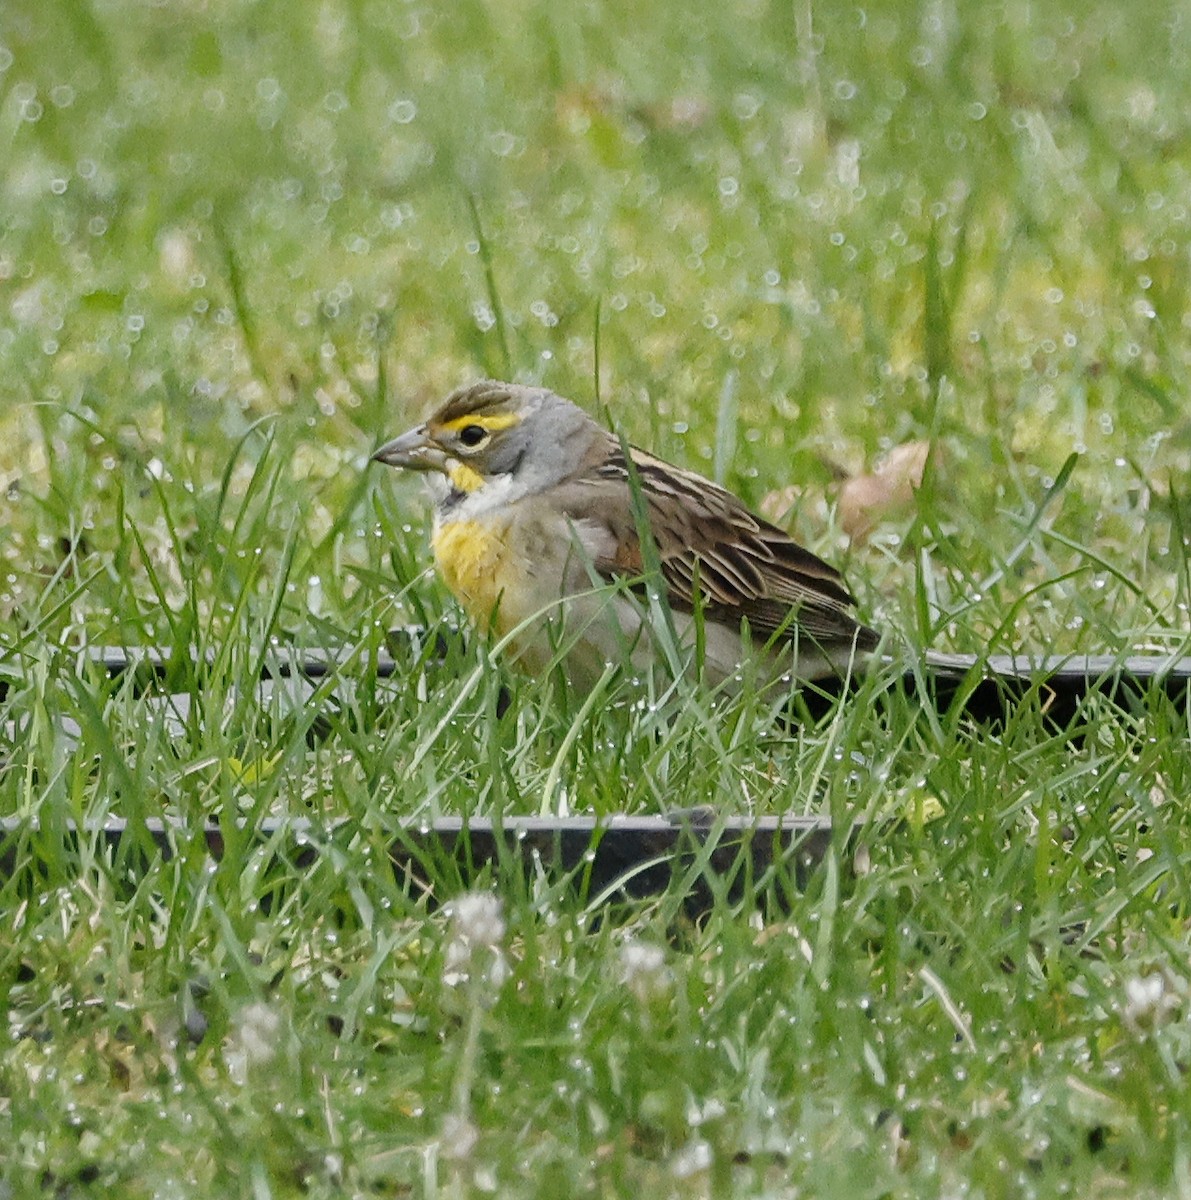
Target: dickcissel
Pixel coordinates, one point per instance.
(537, 532)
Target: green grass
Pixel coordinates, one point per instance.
(240, 244)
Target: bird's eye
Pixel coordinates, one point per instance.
(472, 435)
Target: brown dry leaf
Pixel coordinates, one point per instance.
(866, 499)
(775, 506)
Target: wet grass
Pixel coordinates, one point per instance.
(238, 248)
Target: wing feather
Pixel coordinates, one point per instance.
(744, 567)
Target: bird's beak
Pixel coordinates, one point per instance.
(415, 451)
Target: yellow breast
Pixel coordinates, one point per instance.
(474, 559)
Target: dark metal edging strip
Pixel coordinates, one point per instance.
(621, 856)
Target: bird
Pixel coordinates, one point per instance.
(558, 540)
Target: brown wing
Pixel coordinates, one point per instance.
(742, 566)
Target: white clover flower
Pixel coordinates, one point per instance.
(478, 919)
(477, 935)
(256, 1040)
(694, 1157)
(643, 970)
(1149, 1000)
(260, 1026)
(457, 1137)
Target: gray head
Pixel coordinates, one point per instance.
(493, 430)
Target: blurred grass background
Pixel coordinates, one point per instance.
(242, 242)
(871, 224)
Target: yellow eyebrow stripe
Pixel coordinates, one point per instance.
(492, 423)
